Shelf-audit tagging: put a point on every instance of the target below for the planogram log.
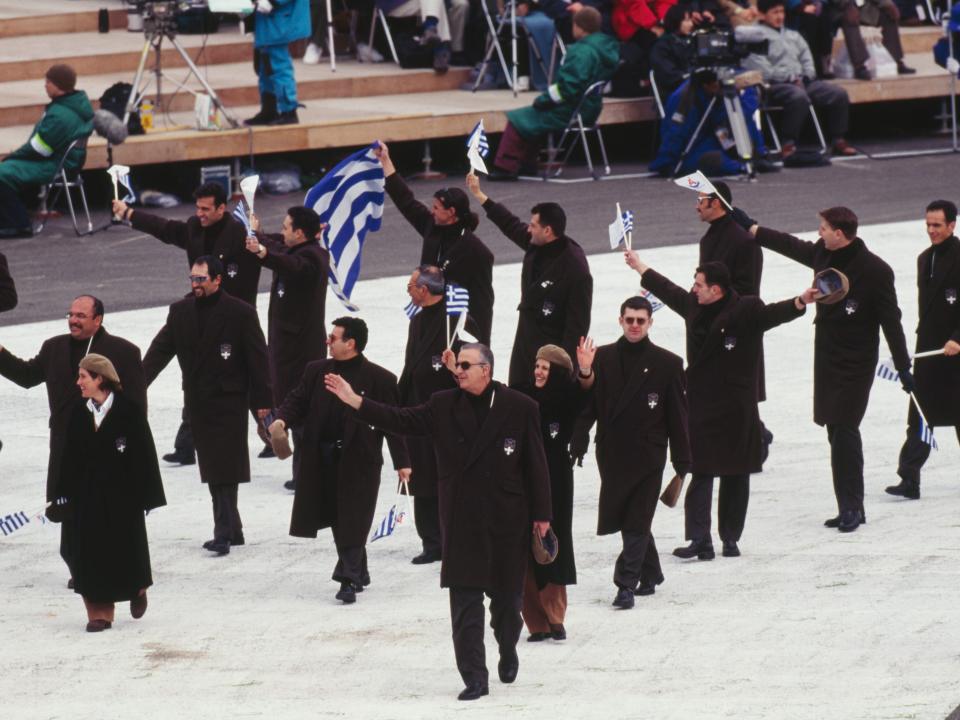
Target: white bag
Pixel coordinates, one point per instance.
(880, 63)
(206, 113)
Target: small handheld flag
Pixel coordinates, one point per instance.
(619, 230)
(458, 299)
(698, 182)
(479, 136)
(474, 156)
(240, 213)
(120, 175)
(248, 186)
(655, 302)
(926, 432)
(412, 310)
(9, 524)
(887, 371)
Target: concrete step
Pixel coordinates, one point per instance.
(42, 17)
(914, 39)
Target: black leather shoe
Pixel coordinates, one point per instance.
(347, 593)
(425, 558)
(849, 521)
(558, 632)
(906, 489)
(902, 69)
(473, 691)
(700, 549)
(508, 666)
(537, 637)
(220, 547)
(237, 540)
(178, 458)
(267, 452)
(98, 625)
(290, 485)
(285, 118)
(646, 587)
(730, 549)
(624, 599)
(834, 522)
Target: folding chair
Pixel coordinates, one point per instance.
(381, 16)
(765, 110)
(655, 91)
(595, 90)
(62, 182)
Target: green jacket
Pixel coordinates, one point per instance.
(587, 61)
(65, 119)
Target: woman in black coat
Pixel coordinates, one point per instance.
(109, 477)
(560, 399)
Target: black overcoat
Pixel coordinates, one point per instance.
(349, 500)
(424, 374)
(635, 420)
(556, 294)
(460, 254)
(225, 374)
(52, 367)
(722, 376)
(226, 239)
(110, 476)
(298, 296)
(493, 483)
(938, 377)
(8, 291)
(847, 337)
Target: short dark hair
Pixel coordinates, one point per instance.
(948, 209)
(486, 354)
(637, 302)
(211, 189)
(456, 199)
(716, 273)
(97, 304)
(674, 17)
(722, 191)
(353, 329)
(843, 219)
(305, 219)
(431, 277)
(551, 215)
(766, 6)
(214, 266)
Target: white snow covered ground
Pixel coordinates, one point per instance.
(808, 623)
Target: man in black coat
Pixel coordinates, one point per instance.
(724, 344)
(448, 241)
(424, 374)
(493, 488)
(846, 344)
(340, 469)
(639, 402)
(56, 366)
(8, 291)
(210, 231)
(556, 288)
(218, 342)
(298, 297)
(938, 377)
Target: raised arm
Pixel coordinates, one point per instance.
(515, 229)
(25, 373)
(784, 311)
(416, 213)
(411, 421)
(802, 251)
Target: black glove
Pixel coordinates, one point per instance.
(907, 382)
(59, 510)
(579, 444)
(542, 102)
(742, 219)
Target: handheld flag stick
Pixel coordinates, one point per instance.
(919, 411)
(406, 492)
(928, 353)
(116, 190)
(449, 341)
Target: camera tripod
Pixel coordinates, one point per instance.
(162, 25)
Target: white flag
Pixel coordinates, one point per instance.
(697, 182)
(248, 186)
(473, 155)
(120, 175)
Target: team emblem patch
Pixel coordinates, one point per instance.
(226, 350)
(850, 306)
(554, 429)
(232, 270)
(121, 444)
(652, 400)
(546, 283)
(281, 291)
(951, 295)
(509, 445)
(548, 308)
(729, 342)
(436, 363)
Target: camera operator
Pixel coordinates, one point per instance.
(789, 71)
(672, 55)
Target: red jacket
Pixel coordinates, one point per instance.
(631, 15)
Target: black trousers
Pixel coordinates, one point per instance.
(914, 452)
(13, 213)
(638, 562)
(351, 564)
(297, 434)
(731, 506)
(66, 544)
(183, 442)
(426, 516)
(846, 461)
(466, 617)
(226, 516)
(830, 101)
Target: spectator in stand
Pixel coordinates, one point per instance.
(276, 24)
(673, 52)
(941, 51)
(851, 14)
(638, 25)
(816, 24)
(706, 13)
(740, 12)
(442, 25)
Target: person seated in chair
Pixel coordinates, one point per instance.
(67, 117)
(789, 71)
(672, 54)
(442, 28)
(592, 58)
(714, 151)
(851, 14)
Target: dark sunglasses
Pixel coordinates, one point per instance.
(465, 365)
(635, 321)
(198, 279)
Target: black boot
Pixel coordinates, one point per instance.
(268, 111)
(286, 118)
(909, 489)
(701, 549)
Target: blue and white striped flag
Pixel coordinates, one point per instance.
(655, 302)
(458, 300)
(240, 213)
(349, 199)
(887, 371)
(411, 310)
(618, 229)
(11, 523)
(389, 524)
(483, 145)
(627, 221)
(926, 434)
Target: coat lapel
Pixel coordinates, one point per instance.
(941, 271)
(212, 333)
(424, 345)
(637, 380)
(491, 425)
(712, 342)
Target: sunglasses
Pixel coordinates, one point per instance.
(635, 321)
(198, 279)
(465, 365)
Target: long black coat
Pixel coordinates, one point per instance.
(349, 500)
(555, 301)
(460, 254)
(635, 419)
(8, 291)
(52, 366)
(110, 476)
(226, 239)
(493, 484)
(423, 375)
(298, 296)
(722, 375)
(225, 374)
(938, 377)
(847, 335)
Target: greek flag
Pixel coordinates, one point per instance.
(655, 302)
(240, 213)
(483, 146)
(411, 309)
(349, 198)
(13, 522)
(926, 434)
(458, 300)
(887, 371)
(618, 229)
(389, 524)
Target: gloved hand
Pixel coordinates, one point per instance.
(579, 444)
(59, 510)
(263, 6)
(542, 102)
(907, 382)
(742, 219)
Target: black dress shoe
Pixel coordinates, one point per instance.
(907, 489)
(730, 549)
(290, 485)
(646, 587)
(178, 458)
(537, 637)
(220, 547)
(508, 666)
(473, 691)
(834, 522)
(700, 549)
(285, 118)
(425, 558)
(558, 632)
(902, 69)
(347, 593)
(70, 584)
(624, 599)
(849, 521)
(267, 452)
(98, 625)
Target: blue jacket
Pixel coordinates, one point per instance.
(289, 21)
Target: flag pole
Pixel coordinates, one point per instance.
(928, 353)
(919, 411)
(449, 343)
